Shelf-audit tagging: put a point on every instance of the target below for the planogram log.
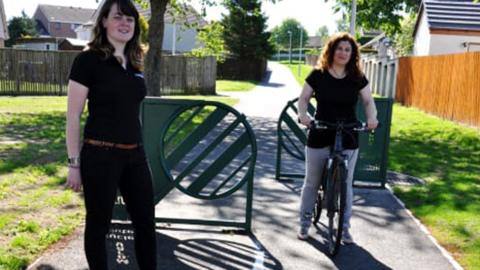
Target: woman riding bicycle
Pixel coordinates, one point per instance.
(336, 82)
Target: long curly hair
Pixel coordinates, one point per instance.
(325, 61)
(133, 50)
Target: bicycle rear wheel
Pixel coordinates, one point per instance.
(336, 199)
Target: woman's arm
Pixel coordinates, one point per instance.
(369, 106)
(77, 95)
(303, 101)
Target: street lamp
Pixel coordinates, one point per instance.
(300, 55)
(290, 47)
(353, 17)
(278, 48)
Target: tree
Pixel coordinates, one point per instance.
(143, 29)
(322, 32)
(379, 14)
(19, 27)
(211, 39)
(404, 39)
(342, 24)
(245, 32)
(283, 37)
(155, 37)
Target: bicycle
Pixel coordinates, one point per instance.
(333, 187)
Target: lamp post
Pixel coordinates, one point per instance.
(353, 17)
(278, 48)
(290, 47)
(300, 55)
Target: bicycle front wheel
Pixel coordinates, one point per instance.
(336, 200)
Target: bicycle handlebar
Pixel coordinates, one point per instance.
(356, 126)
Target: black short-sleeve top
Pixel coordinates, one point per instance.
(114, 97)
(336, 100)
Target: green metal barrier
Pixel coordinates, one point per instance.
(205, 149)
(373, 155)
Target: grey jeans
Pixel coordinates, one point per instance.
(314, 163)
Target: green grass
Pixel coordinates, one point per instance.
(228, 85)
(226, 100)
(37, 210)
(304, 70)
(447, 156)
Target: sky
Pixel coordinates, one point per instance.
(312, 14)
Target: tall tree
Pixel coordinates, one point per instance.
(404, 38)
(379, 14)
(155, 41)
(323, 33)
(245, 32)
(18, 27)
(211, 39)
(283, 37)
(155, 36)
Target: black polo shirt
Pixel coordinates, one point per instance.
(114, 97)
(336, 100)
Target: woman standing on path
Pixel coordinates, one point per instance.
(336, 82)
(109, 75)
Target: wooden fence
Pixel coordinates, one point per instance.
(28, 72)
(445, 85)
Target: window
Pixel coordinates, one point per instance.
(47, 47)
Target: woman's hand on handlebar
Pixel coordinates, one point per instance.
(372, 123)
(305, 120)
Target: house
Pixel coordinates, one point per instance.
(177, 37)
(44, 43)
(60, 21)
(314, 42)
(37, 43)
(445, 27)
(379, 46)
(3, 26)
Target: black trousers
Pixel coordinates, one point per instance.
(103, 171)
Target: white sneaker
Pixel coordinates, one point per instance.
(347, 237)
(303, 233)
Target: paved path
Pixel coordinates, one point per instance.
(386, 236)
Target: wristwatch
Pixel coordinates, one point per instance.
(73, 162)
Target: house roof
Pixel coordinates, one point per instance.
(3, 22)
(66, 14)
(450, 15)
(192, 17)
(314, 42)
(373, 41)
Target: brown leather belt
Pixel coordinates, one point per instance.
(112, 145)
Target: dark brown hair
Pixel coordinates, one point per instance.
(100, 43)
(325, 60)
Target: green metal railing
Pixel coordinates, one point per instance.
(373, 153)
(205, 149)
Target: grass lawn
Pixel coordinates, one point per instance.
(228, 85)
(36, 209)
(304, 70)
(447, 156)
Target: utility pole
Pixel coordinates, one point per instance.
(300, 55)
(290, 48)
(353, 17)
